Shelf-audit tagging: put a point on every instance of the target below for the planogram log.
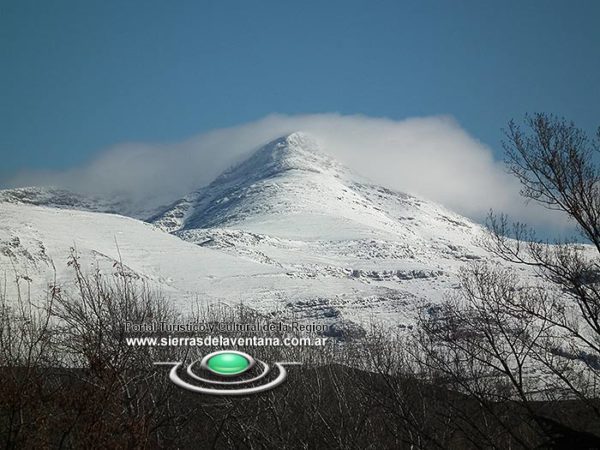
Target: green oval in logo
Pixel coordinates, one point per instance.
(227, 363)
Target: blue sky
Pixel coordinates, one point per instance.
(78, 77)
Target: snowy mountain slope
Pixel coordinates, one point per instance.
(64, 199)
(291, 187)
(288, 230)
(293, 207)
(290, 199)
(36, 240)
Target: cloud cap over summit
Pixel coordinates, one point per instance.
(432, 157)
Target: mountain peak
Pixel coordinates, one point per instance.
(270, 179)
(295, 151)
(298, 140)
(290, 188)
(292, 151)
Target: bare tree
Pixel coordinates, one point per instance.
(531, 344)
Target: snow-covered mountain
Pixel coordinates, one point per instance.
(63, 199)
(288, 230)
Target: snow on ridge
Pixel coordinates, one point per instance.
(296, 230)
(295, 151)
(55, 197)
(290, 187)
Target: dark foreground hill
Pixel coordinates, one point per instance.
(318, 407)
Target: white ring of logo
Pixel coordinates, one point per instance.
(175, 378)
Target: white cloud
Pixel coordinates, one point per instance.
(432, 157)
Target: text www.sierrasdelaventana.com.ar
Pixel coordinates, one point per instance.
(224, 341)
